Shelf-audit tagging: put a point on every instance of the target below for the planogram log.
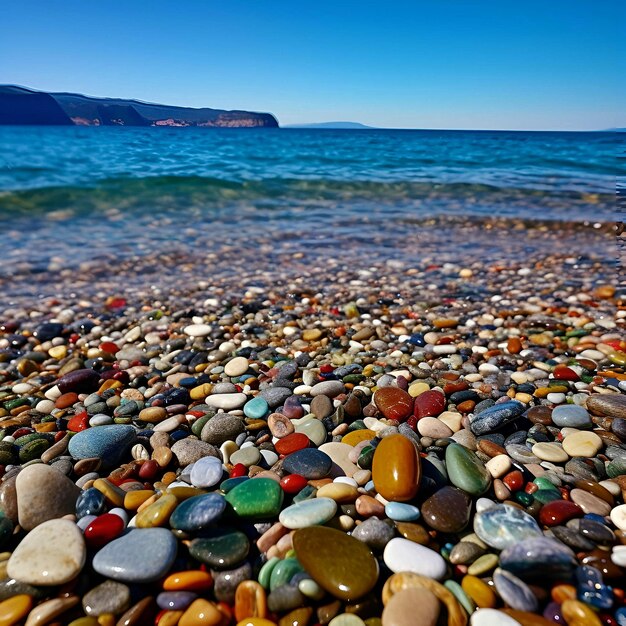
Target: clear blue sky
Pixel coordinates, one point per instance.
(548, 64)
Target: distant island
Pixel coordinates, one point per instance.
(24, 106)
(338, 125)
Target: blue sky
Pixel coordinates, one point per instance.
(549, 64)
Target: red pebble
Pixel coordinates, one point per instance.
(514, 480)
(326, 368)
(103, 529)
(394, 403)
(291, 443)
(429, 404)
(148, 470)
(110, 347)
(293, 483)
(412, 422)
(78, 422)
(238, 470)
(562, 372)
(20, 432)
(558, 512)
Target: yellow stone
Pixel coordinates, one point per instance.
(250, 600)
(255, 621)
(577, 613)
(201, 391)
(58, 352)
(311, 334)
(14, 609)
(396, 469)
(182, 493)
(84, 621)
(339, 492)
(134, 499)
(170, 618)
(297, 617)
(158, 513)
(356, 436)
(201, 612)
(106, 619)
(417, 388)
(483, 564)
(113, 494)
(479, 591)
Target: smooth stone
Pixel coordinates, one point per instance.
(618, 517)
(108, 597)
(220, 548)
(613, 405)
(492, 617)
(227, 581)
(313, 429)
(190, 450)
(53, 553)
(247, 456)
(339, 454)
(257, 408)
(396, 469)
(142, 555)
(340, 564)
(156, 514)
(198, 330)
(222, 427)
(571, 415)
(514, 592)
(310, 463)
(465, 552)
(256, 498)
(401, 512)
(275, 396)
(429, 404)
(393, 403)
(197, 512)
(521, 454)
(503, 526)
(496, 417)
(538, 558)
(374, 532)
(308, 513)
(447, 510)
(402, 555)
(226, 401)
(44, 493)
(330, 388)
(583, 443)
(466, 471)
(237, 366)
(206, 472)
(109, 443)
(549, 451)
(321, 407)
(400, 610)
(175, 600)
(434, 428)
(590, 503)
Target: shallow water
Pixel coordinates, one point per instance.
(70, 195)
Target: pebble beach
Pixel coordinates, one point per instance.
(417, 424)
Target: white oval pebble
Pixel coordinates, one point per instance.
(492, 617)
(618, 556)
(197, 330)
(402, 555)
(618, 516)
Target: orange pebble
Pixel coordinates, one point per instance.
(201, 612)
(191, 580)
(560, 593)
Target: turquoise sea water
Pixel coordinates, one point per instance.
(132, 190)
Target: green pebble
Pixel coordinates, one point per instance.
(6, 531)
(525, 499)
(366, 457)
(466, 471)
(259, 498)
(483, 564)
(307, 493)
(546, 495)
(33, 450)
(615, 468)
(22, 441)
(544, 483)
(265, 573)
(13, 404)
(122, 420)
(353, 379)
(283, 572)
(196, 427)
(357, 425)
(464, 600)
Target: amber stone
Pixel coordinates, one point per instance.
(394, 403)
(540, 415)
(396, 468)
(340, 564)
(447, 510)
(558, 512)
(595, 489)
(413, 532)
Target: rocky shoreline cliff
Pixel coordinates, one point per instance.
(23, 106)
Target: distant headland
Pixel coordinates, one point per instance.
(24, 106)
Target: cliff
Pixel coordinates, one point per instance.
(19, 105)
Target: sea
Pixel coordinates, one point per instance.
(73, 194)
